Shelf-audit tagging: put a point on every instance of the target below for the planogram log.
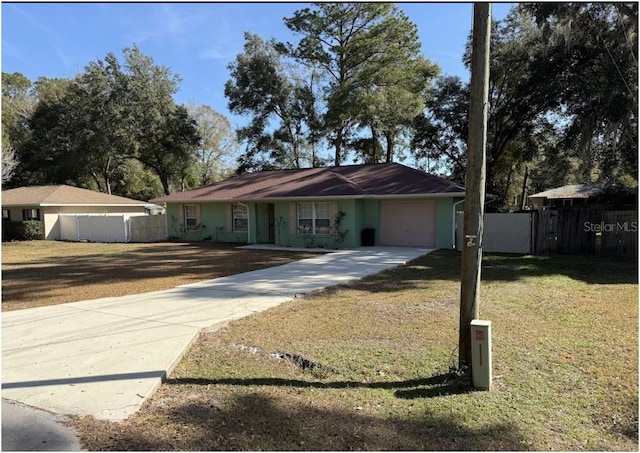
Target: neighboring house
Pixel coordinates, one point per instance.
(575, 194)
(582, 195)
(49, 204)
(331, 207)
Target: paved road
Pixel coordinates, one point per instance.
(104, 357)
(27, 429)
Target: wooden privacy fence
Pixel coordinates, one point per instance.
(587, 231)
(148, 228)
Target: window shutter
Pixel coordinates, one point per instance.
(293, 218)
(229, 218)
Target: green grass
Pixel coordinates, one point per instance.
(565, 356)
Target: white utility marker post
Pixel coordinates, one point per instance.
(481, 373)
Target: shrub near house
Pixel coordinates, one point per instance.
(27, 230)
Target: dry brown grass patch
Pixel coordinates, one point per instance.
(42, 273)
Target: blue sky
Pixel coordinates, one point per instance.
(195, 40)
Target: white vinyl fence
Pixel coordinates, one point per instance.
(93, 228)
(503, 233)
(112, 228)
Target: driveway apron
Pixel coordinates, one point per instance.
(104, 357)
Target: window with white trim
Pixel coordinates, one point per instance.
(6, 214)
(191, 217)
(314, 218)
(31, 214)
(240, 218)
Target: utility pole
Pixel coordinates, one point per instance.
(475, 180)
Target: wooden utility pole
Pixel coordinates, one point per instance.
(475, 179)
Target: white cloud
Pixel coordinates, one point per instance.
(9, 50)
(52, 38)
(444, 53)
(173, 22)
(211, 53)
(50, 32)
(162, 22)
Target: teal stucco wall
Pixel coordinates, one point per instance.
(213, 217)
(444, 225)
(285, 235)
(355, 216)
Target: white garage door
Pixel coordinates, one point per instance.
(408, 223)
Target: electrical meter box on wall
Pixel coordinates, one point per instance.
(481, 354)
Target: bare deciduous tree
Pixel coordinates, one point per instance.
(219, 147)
(9, 163)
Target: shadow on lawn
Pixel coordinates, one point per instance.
(258, 422)
(446, 265)
(59, 278)
(439, 385)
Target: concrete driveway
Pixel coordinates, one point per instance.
(104, 357)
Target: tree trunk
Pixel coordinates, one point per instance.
(314, 159)
(105, 175)
(523, 195)
(374, 145)
(338, 143)
(390, 145)
(94, 175)
(164, 180)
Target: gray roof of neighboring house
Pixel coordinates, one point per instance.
(357, 181)
(570, 191)
(63, 196)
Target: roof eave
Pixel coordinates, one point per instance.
(96, 205)
(324, 197)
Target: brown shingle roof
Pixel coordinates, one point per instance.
(570, 191)
(358, 181)
(61, 196)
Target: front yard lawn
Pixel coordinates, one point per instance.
(38, 273)
(365, 366)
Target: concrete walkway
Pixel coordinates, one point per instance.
(104, 357)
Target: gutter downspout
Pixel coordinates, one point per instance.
(453, 224)
(248, 221)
